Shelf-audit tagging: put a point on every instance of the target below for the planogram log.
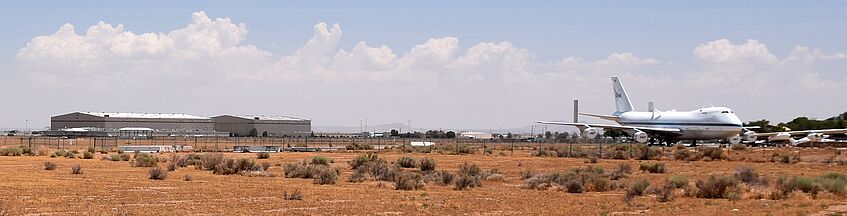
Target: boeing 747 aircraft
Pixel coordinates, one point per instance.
(710, 123)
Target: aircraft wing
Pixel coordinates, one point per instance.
(607, 117)
(620, 127)
(794, 133)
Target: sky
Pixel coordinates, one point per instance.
(438, 64)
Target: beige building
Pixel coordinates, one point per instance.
(274, 126)
(117, 120)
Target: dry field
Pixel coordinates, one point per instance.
(118, 188)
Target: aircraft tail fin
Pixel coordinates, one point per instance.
(622, 103)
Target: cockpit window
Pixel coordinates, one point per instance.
(724, 111)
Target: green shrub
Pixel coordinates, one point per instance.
(146, 160)
(326, 175)
(87, 155)
(172, 166)
(70, 154)
(427, 164)
(14, 151)
(91, 150)
(574, 186)
(407, 162)
(304, 169)
(715, 187)
(382, 171)
(321, 160)
(447, 178)
(738, 147)
(187, 177)
(665, 192)
(638, 187)
(643, 152)
(652, 167)
(469, 169)
(747, 175)
(807, 185)
(715, 153)
(236, 166)
(678, 181)
(363, 160)
(263, 155)
(189, 160)
(408, 181)
(157, 173)
(210, 161)
(685, 155)
(465, 181)
(359, 175)
(621, 172)
(59, 153)
(834, 183)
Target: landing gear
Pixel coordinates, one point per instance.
(670, 142)
(693, 143)
(653, 142)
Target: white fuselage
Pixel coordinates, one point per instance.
(702, 124)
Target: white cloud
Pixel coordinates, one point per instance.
(723, 51)
(211, 56)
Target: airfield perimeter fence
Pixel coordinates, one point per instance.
(225, 144)
(442, 145)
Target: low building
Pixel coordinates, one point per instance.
(147, 149)
(267, 126)
(475, 135)
(109, 121)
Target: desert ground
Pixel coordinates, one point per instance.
(120, 188)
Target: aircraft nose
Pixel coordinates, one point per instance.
(733, 119)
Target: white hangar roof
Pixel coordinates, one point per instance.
(144, 115)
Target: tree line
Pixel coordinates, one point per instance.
(801, 123)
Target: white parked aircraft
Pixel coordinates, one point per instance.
(669, 127)
(811, 136)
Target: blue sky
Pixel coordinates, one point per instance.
(548, 31)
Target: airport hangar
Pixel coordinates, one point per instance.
(273, 126)
(160, 124)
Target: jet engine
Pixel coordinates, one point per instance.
(640, 137)
(815, 137)
(734, 139)
(749, 136)
(590, 133)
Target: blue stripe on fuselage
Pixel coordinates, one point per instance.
(680, 123)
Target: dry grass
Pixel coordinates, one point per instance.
(49, 165)
(208, 193)
(76, 169)
(157, 173)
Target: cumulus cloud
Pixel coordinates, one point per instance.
(723, 51)
(209, 51)
(106, 49)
